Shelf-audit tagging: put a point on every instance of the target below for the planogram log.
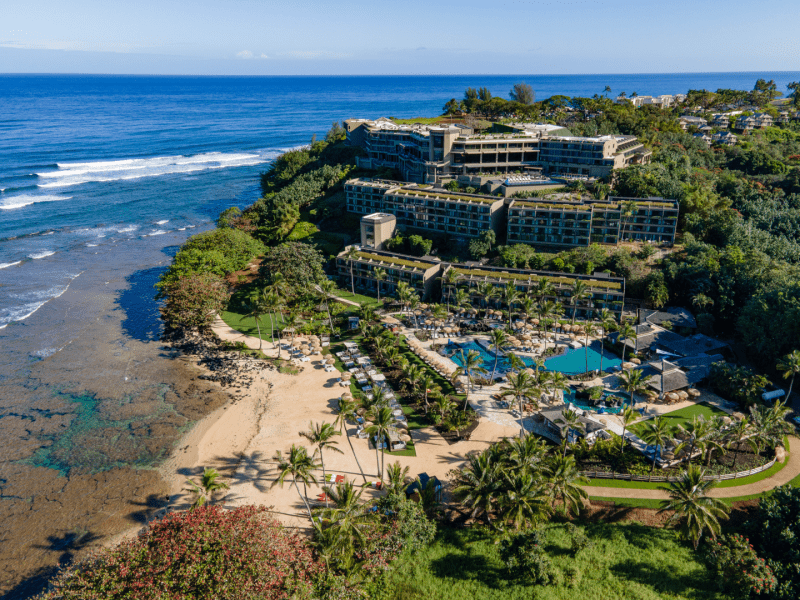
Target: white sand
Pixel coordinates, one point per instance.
(241, 440)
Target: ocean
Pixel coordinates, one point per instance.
(102, 178)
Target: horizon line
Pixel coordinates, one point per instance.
(561, 74)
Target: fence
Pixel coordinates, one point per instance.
(626, 477)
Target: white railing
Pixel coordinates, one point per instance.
(627, 477)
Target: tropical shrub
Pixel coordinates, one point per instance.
(774, 531)
(194, 300)
(300, 264)
(204, 553)
(525, 558)
(737, 567)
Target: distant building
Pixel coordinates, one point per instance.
(550, 423)
(663, 101)
(686, 122)
(725, 138)
(680, 320)
(703, 137)
(432, 153)
(754, 121)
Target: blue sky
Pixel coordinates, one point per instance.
(264, 37)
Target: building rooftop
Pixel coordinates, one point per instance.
(504, 273)
(390, 258)
(679, 317)
(416, 191)
(379, 218)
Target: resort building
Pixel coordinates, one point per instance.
(551, 423)
(754, 121)
(687, 121)
(604, 291)
(377, 229)
(560, 220)
(662, 101)
(433, 153)
(419, 273)
(566, 224)
(420, 207)
(725, 138)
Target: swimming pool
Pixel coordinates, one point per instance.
(572, 362)
(570, 396)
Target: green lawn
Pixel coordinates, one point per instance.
(247, 325)
(685, 415)
(644, 485)
(360, 298)
(624, 561)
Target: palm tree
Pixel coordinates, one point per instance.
(321, 436)
(690, 502)
(380, 275)
(627, 416)
(563, 482)
(695, 433)
(412, 376)
(257, 307)
(571, 421)
(478, 484)
(523, 502)
(770, 424)
(656, 432)
(521, 385)
(486, 291)
(626, 332)
(462, 299)
(442, 407)
(738, 432)
(347, 414)
(790, 365)
(351, 256)
(470, 364)
(497, 341)
(449, 280)
(510, 295)
(588, 330)
(607, 324)
(273, 304)
(382, 424)
(580, 291)
(428, 386)
(327, 289)
(300, 466)
(544, 289)
(702, 301)
(547, 310)
(347, 519)
(633, 382)
(207, 487)
(291, 321)
(396, 478)
(524, 453)
(556, 381)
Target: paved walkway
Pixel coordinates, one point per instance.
(785, 475)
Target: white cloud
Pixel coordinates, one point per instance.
(263, 56)
(244, 54)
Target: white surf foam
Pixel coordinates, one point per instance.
(156, 232)
(69, 174)
(36, 300)
(128, 229)
(181, 228)
(6, 265)
(91, 245)
(13, 202)
(44, 254)
(164, 222)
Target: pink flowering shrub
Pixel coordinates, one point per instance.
(209, 552)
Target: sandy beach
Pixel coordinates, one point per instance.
(241, 439)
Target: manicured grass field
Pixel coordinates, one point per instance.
(247, 325)
(684, 415)
(360, 298)
(624, 561)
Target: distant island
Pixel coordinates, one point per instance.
(522, 347)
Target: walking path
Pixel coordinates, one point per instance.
(784, 476)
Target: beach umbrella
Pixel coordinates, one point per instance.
(526, 337)
(346, 375)
(636, 361)
(404, 437)
(361, 411)
(694, 392)
(530, 371)
(330, 360)
(306, 351)
(535, 321)
(347, 396)
(423, 306)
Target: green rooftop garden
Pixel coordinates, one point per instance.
(612, 285)
(396, 261)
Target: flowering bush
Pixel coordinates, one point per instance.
(194, 300)
(737, 566)
(209, 552)
(525, 558)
